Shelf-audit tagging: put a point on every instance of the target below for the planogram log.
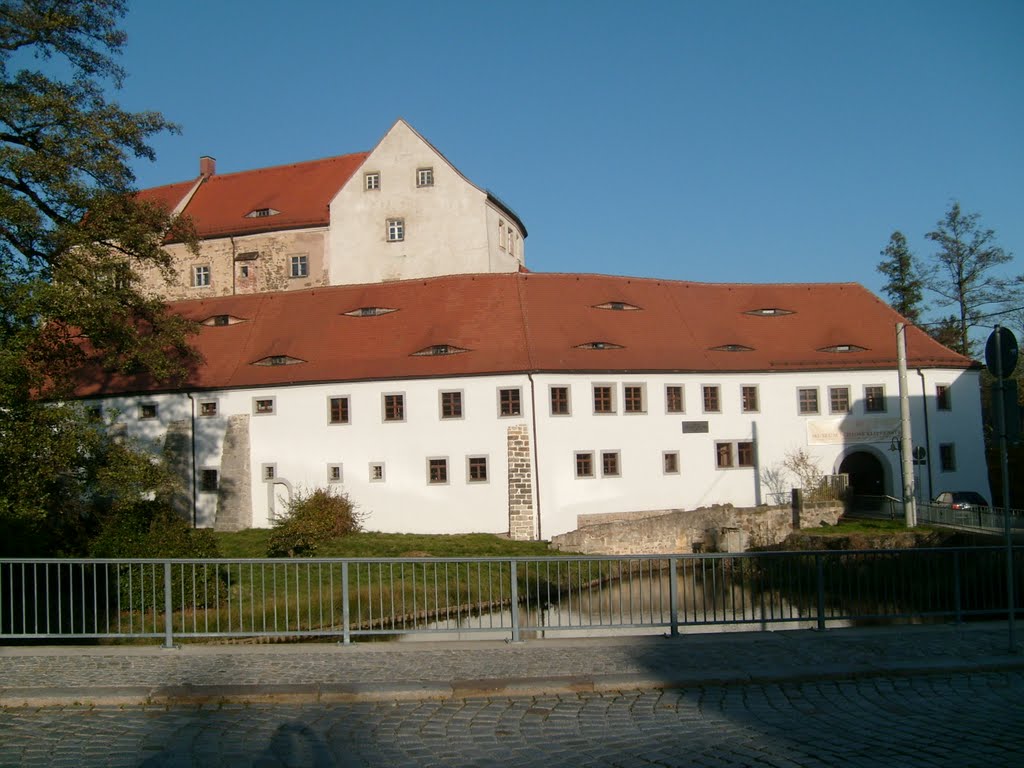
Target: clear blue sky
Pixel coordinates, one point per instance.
(714, 141)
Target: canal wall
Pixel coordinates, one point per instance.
(721, 528)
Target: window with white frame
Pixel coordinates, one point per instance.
(749, 402)
(337, 409)
(501, 235)
(376, 472)
(263, 406)
(371, 181)
(201, 276)
(610, 464)
(712, 398)
(674, 399)
(584, 464)
(394, 406)
(476, 469)
(839, 399)
(424, 177)
(510, 402)
(451, 405)
(604, 398)
(670, 462)
(633, 398)
(300, 265)
(335, 473)
(734, 454)
(268, 472)
(807, 400)
(559, 396)
(396, 230)
(437, 471)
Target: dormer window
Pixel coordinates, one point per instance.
(598, 345)
(732, 348)
(439, 349)
(768, 312)
(260, 213)
(618, 306)
(278, 360)
(369, 311)
(219, 320)
(842, 348)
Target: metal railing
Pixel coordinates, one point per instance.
(983, 519)
(512, 598)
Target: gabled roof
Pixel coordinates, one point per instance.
(299, 193)
(519, 322)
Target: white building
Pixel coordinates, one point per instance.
(516, 401)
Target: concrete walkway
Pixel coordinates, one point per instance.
(308, 673)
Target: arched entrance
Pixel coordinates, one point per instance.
(867, 476)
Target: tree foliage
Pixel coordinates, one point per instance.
(903, 274)
(71, 232)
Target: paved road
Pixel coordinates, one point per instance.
(972, 719)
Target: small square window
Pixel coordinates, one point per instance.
(394, 407)
(559, 401)
(269, 471)
(807, 398)
(337, 408)
(674, 399)
(745, 454)
(208, 480)
(147, 411)
(610, 464)
(207, 408)
(942, 397)
(376, 472)
(371, 180)
(425, 177)
(749, 402)
(300, 265)
(509, 402)
(947, 457)
(451, 405)
(670, 462)
(476, 469)
(604, 398)
(839, 399)
(201, 276)
(723, 455)
(396, 230)
(874, 399)
(437, 471)
(263, 406)
(584, 464)
(712, 399)
(335, 474)
(633, 398)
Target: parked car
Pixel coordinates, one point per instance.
(961, 499)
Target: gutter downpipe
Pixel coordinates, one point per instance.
(192, 433)
(927, 435)
(536, 460)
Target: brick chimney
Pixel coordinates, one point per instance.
(207, 166)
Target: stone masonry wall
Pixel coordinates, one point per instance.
(709, 529)
(520, 484)
(234, 498)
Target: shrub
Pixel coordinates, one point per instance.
(313, 518)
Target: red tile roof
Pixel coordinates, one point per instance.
(301, 192)
(520, 322)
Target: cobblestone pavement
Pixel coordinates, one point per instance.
(920, 720)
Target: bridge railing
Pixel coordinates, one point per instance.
(101, 600)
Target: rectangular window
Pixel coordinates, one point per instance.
(807, 398)
(947, 457)
(633, 398)
(674, 399)
(712, 401)
(147, 411)
(269, 471)
(425, 177)
(372, 180)
(723, 455)
(604, 398)
(208, 480)
(338, 407)
(376, 472)
(208, 408)
(437, 471)
(610, 464)
(942, 397)
(670, 462)
(476, 469)
(396, 230)
(394, 407)
(334, 473)
(201, 276)
(559, 401)
(300, 265)
(262, 405)
(509, 402)
(501, 234)
(839, 399)
(874, 399)
(748, 399)
(584, 464)
(451, 405)
(511, 241)
(745, 454)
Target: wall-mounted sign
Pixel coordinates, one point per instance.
(849, 430)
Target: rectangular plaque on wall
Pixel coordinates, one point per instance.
(695, 427)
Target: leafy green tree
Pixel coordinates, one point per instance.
(71, 232)
(904, 286)
(964, 271)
